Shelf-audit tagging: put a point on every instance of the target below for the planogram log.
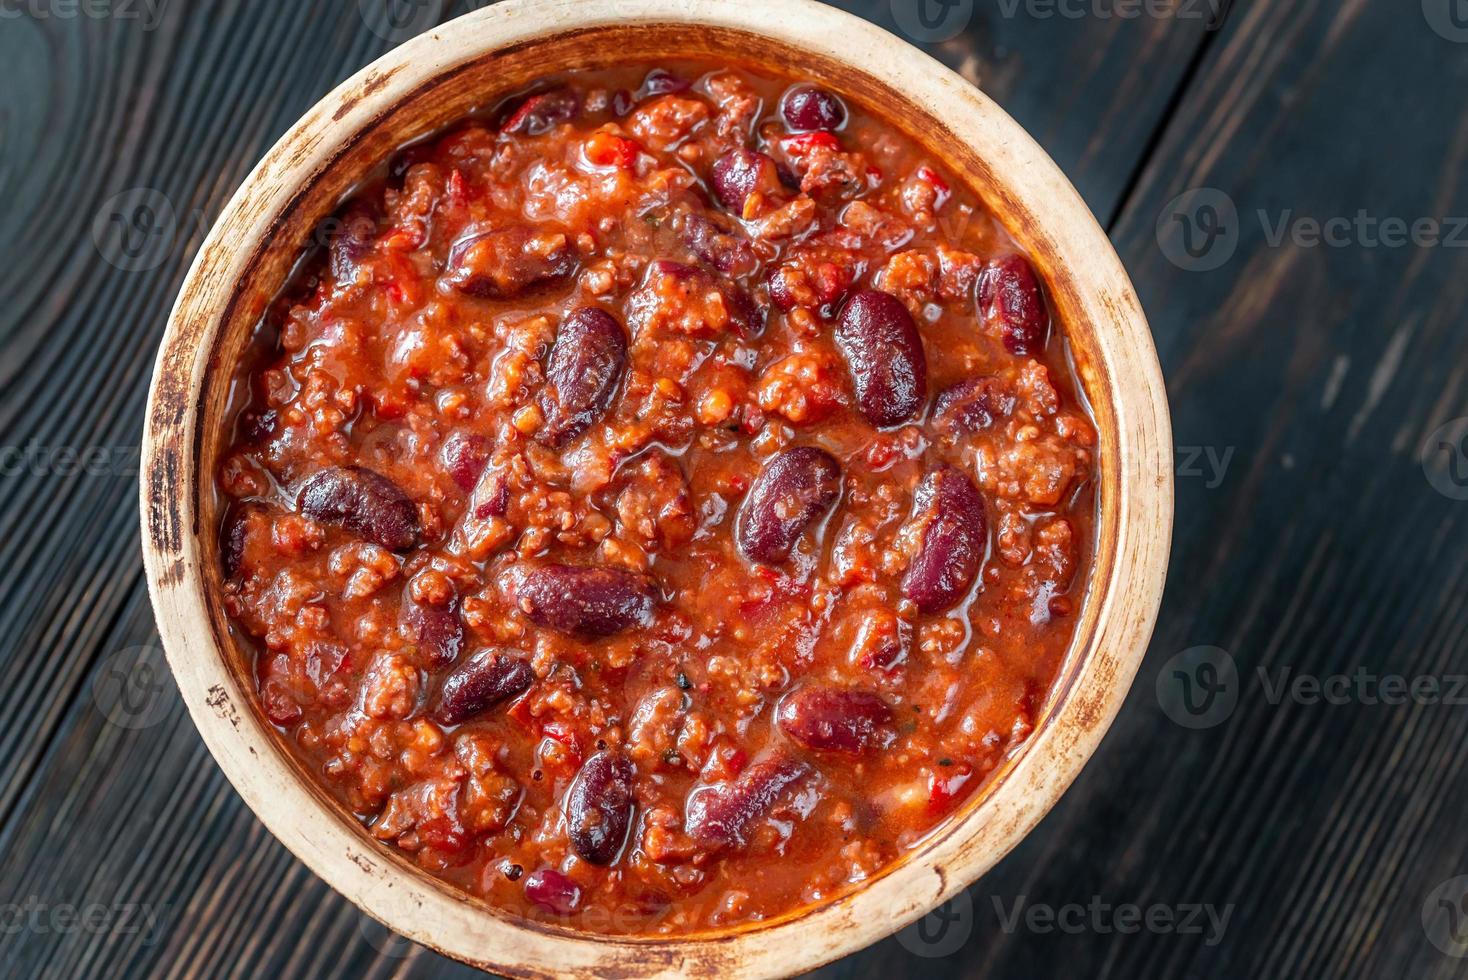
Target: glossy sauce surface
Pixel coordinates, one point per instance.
(662, 504)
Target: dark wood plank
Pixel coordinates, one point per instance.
(117, 805)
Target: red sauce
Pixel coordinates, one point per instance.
(663, 503)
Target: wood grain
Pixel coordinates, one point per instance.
(1322, 548)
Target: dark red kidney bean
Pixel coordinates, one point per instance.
(542, 112)
(408, 158)
(496, 264)
(582, 372)
(364, 502)
(553, 891)
(491, 497)
(661, 82)
(352, 233)
(780, 292)
(884, 351)
(716, 246)
(599, 807)
(833, 720)
(479, 683)
(739, 173)
(586, 599)
(808, 109)
(464, 455)
(680, 271)
(796, 486)
(438, 630)
(232, 540)
(1010, 290)
(722, 815)
(954, 535)
(971, 406)
(255, 427)
(747, 317)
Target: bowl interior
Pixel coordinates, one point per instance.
(398, 101)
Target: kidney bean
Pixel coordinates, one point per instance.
(722, 815)
(553, 891)
(352, 234)
(796, 486)
(661, 82)
(464, 455)
(954, 534)
(406, 159)
(479, 683)
(582, 372)
(971, 406)
(889, 370)
(716, 246)
(599, 807)
(679, 271)
(255, 427)
(747, 317)
(584, 599)
(438, 630)
(833, 720)
(491, 496)
(364, 502)
(542, 112)
(739, 173)
(1010, 291)
(501, 264)
(807, 108)
(232, 541)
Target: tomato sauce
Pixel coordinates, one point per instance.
(663, 501)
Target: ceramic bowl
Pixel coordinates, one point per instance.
(438, 78)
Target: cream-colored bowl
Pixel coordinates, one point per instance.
(432, 81)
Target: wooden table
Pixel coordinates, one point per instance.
(1282, 187)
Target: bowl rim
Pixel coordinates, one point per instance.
(1136, 500)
